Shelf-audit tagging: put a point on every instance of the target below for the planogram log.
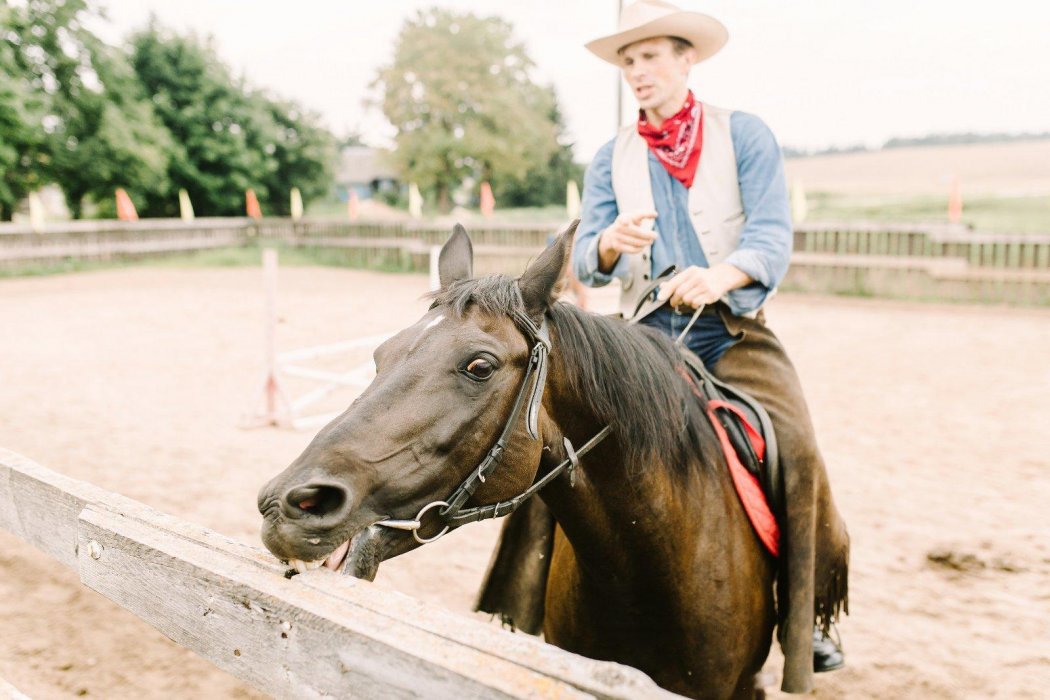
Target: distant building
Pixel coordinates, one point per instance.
(364, 170)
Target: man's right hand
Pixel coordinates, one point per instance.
(630, 233)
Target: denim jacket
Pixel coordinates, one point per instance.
(765, 242)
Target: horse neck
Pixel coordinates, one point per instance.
(615, 503)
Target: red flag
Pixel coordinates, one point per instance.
(353, 206)
(488, 202)
(955, 202)
(125, 207)
(251, 204)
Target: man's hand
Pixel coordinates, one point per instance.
(630, 233)
(695, 286)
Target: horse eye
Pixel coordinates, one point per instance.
(480, 368)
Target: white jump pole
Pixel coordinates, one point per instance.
(435, 276)
(270, 341)
(275, 408)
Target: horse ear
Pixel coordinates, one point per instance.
(456, 261)
(538, 281)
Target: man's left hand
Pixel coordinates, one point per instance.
(696, 286)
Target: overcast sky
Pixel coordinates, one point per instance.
(819, 72)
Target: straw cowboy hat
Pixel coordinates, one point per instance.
(647, 19)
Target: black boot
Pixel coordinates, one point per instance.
(827, 653)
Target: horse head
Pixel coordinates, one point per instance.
(452, 419)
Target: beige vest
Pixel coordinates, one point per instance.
(714, 199)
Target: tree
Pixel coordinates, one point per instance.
(460, 95)
(546, 184)
(230, 137)
(22, 155)
(304, 154)
(99, 131)
(207, 115)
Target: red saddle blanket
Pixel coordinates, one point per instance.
(747, 485)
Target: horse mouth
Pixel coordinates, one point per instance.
(359, 556)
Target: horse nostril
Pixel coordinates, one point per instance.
(315, 499)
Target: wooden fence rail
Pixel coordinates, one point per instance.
(894, 260)
(317, 634)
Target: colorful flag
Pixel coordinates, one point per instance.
(353, 206)
(488, 202)
(185, 206)
(799, 204)
(125, 207)
(251, 204)
(297, 204)
(572, 199)
(955, 204)
(36, 213)
(415, 201)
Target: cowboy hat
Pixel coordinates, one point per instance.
(648, 19)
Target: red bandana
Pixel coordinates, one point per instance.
(677, 142)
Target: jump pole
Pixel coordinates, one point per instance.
(275, 409)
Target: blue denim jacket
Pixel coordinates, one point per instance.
(765, 242)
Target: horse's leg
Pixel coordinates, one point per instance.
(516, 582)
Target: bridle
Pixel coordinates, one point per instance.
(530, 396)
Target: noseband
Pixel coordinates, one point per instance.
(529, 398)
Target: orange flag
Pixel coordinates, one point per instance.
(125, 207)
(251, 204)
(955, 202)
(353, 206)
(488, 202)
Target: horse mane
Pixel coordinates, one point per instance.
(629, 374)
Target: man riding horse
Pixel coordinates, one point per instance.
(702, 188)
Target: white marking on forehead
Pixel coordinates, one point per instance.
(433, 323)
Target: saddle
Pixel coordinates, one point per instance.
(744, 420)
(747, 425)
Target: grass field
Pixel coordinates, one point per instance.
(248, 255)
(1019, 214)
(1005, 186)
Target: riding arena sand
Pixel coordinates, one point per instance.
(934, 419)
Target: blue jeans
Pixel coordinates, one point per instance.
(708, 337)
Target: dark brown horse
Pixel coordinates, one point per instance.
(654, 563)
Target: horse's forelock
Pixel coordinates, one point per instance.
(497, 295)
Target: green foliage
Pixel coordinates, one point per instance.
(22, 156)
(461, 97)
(544, 185)
(99, 134)
(210, 119)
(304, 154)
(230, 137)
(167, 115)
(994, 214)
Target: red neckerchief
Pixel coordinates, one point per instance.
(677, 142)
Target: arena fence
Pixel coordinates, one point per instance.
(316, 634)
(924, 261)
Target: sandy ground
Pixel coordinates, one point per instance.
(934, 420)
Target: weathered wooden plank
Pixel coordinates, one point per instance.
(41, 507)
(234, 615)
(316, 633)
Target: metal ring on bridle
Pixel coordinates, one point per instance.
(419, 519)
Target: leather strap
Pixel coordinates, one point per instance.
(498, 510)
(647, 302)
